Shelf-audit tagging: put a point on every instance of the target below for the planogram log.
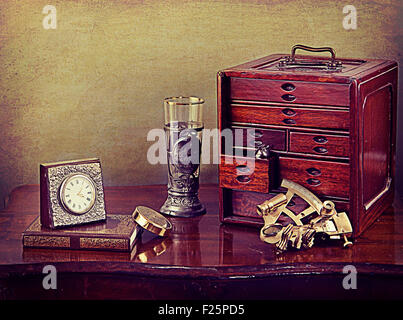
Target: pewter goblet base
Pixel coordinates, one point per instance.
(183, 205)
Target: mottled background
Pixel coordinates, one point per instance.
(94, 86)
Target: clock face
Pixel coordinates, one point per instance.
(77, 193)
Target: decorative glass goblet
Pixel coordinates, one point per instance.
(183, 129)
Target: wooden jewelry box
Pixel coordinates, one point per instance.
(331, 127)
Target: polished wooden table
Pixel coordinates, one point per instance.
(201, 259)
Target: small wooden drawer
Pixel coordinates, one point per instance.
(243, 204)
(256, 137)
(244, 173)
(290, 116)
(320, 144)
(290, 91)
(323, 178)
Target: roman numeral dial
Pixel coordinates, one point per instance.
(78, 193)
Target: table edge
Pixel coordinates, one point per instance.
(205, 272)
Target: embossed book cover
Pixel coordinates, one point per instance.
(118, 233)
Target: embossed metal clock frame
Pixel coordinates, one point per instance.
(53, 212)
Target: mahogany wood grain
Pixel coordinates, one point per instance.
(323, 178)
(376, 142)
(304, 117)
(243, 204)
(320, 144)
(201, 259)
(364, 70)
(255, 137)
(303, 92)
(244, 173)
(376, 147)
(367, 118)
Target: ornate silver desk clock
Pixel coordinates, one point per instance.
(183, 129)
(72, 193)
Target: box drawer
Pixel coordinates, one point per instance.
(290, 116)
(256, 137)
(323, 178)
(244, 173)
(290, 91)
(244, 204)
(320, 144)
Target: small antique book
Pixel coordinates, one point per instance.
(118, 233)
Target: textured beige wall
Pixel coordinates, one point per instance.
(94, 86)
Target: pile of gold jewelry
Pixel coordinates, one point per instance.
(324, 220)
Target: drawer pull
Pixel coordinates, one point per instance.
(321, 150)
(288, 112)
(313, 171)
(288, 87)
(289, 121)
(320, 139)
(313, 182)
(288, 97)
(256, 133)
(243, 179)
(242, 168)
(258, 143)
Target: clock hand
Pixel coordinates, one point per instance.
(81, 187)
(79, 192)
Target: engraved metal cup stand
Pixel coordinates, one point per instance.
(183, 129)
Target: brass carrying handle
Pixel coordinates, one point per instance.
(312, 49)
